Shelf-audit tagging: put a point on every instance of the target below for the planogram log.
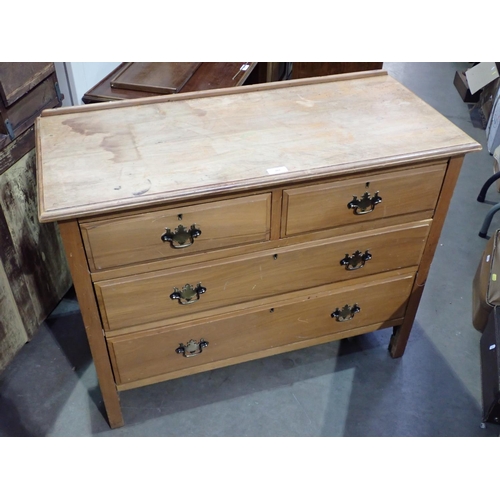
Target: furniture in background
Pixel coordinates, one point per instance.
(34, 274)
(312, 69)
(206, 76)
(206, 231)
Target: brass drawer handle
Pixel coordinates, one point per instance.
(192, 348)
(347, 312)
(188, 294)
(181, 237)
(356, 260)
(365, 205)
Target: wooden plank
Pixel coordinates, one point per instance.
(401, 333)
(34, 261)
(310, 69)
(137, 238)
(75, 253)
(381, 299)
(276, 204)
(209, 76)
(220, 75)
(23, 112)
(321, 206)
(127, 103)
(155, 77)
(18, 78)
(145, 298)
(250, 248)
(17, 149)
(306, 132)
(302, 344)
(13, 294)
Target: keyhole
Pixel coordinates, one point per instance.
(179, 217)
(367, 185)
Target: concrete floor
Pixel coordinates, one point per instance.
(346, 388)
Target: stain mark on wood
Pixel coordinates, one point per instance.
(145, 190)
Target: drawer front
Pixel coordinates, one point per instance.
(141, 356)
(325, 206)
(134, 239)
(21, 115)
(16, 79)
(147, 298)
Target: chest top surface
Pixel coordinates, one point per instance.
(95, 159)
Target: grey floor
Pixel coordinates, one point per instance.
(346, 388)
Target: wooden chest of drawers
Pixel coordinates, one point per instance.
(208, 229)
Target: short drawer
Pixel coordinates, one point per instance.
(181, 231)
(149, 297)
(367, 197)
(294, 323)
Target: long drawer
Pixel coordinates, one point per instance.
(157, 296)
(174, 232)
(367, 197)
(334, 310)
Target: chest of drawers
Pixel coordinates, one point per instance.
(209, 229)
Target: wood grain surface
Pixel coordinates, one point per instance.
(281, 327)
(95, 162)
(145, 298)
(134, 239)
(157, 77)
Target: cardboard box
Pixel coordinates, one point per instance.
(480, 75)
(460, 82)
(481, 111)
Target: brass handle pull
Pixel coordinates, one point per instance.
(192, 348)
(181, 237)
(188, 294)
(356, 260)
(365, 205)
(346, 313)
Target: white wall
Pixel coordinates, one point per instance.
(76, 78)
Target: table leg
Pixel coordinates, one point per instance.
(75, 253)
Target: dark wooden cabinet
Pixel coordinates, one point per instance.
(205, 76)
(33, 270)
(310, 69)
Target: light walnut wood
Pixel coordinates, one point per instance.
(135, 239)
(269, 172)
(402, 332)
(322, 206)
(145, 298)
(149, 355)
(213, 92)
(368, 227)
(75, 254)
(186, 148)
(302, 344)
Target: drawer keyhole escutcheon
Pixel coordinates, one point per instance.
(192, 348)
(181, 237)
(356, 260)
(365, 204)
(346, 313)
(188, 294)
